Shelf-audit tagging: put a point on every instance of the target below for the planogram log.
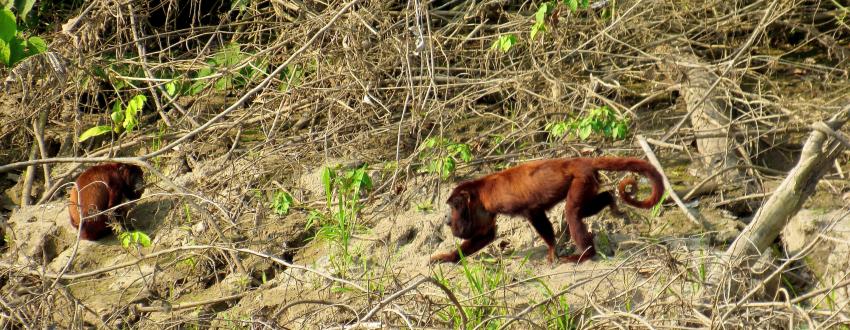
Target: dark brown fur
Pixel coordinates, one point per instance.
(533, 188)
(100, 188)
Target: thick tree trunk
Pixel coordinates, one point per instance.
(819, 152)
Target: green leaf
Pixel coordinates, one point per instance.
(94, 131)
(134, 237)
(573, 4)
(282, 202)
(584, 131)
(537, 28)
(504, 43)
(205, 72)
(143, 239)
(35, 45)
(360, 179)
(223, 83)
(557, 129)
(239, 4)
(5, 53)
(131, 113)
(620, 130)
(291, 77)
(430, 142)
(17, 51)
(460, 150)
(8, 28)
(585, 4)
(540, 15)
(24, 7)
(231, 55)
(116, 107)
(449, 166)
(171, 88)
(313, 218)
(189, 262)
(328, 177)
(200, 84)
(117, 115)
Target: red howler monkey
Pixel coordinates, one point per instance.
(533, 188)
(100, 188)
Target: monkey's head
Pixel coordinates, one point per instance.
(134, 179)
(466, 216)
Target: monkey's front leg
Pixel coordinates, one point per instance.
(468, 247)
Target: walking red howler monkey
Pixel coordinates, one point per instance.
(533, 188)
(100, 188)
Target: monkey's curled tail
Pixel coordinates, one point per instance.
(635, 165)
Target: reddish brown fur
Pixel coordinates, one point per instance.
(101, 188)
(533, 188)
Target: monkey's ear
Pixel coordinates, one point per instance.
(469, 198)
(465, 197)
(458, 198)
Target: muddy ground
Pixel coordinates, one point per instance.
(378, 84)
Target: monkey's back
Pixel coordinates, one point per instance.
(97, 189)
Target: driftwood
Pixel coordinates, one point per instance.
(821, 148)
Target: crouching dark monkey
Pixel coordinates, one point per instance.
(98, 189)
(533, 188)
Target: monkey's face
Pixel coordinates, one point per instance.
(135, 181)
(467, 216)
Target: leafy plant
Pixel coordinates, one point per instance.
(314, 217)
(189, 262)
(282, 202)
(122, 118)
(504, 43)
(221, 63)
(601, 120)
(442, 155)
(22, 6)
(559, 311)
(119, 73)
(547, 9)
(341, 223)
(481, 281)
(558, 129)
(14, 47)
(540, 16)
(134, 237)
(425, 207)
(171, 88)
(291, 76)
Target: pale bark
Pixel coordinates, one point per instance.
(821, 148)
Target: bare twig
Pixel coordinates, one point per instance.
(695, 217)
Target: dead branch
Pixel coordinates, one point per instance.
(819, 151)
